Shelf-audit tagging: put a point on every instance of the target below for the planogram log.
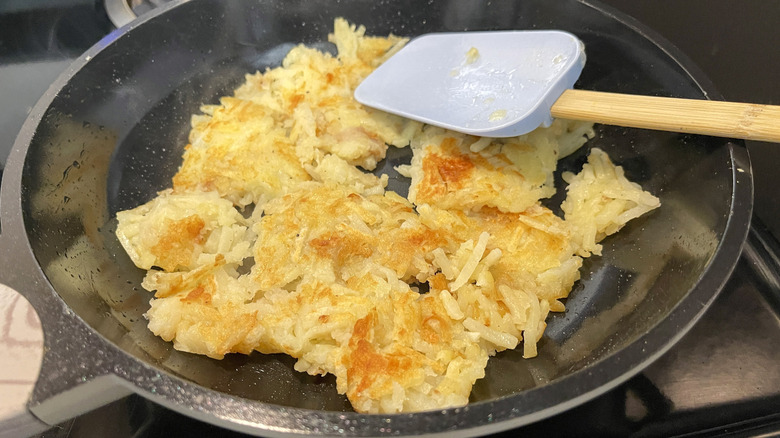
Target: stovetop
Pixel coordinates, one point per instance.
(722, 379)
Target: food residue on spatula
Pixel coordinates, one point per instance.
(472, 55)
(329, 267)
(497, 115)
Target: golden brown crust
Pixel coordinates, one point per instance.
(225, 149)
(177, 242)
(337, 260)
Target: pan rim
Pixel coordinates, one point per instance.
(481, 417)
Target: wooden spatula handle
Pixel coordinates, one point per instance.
(708, 117)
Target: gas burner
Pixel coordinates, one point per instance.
(121, 12)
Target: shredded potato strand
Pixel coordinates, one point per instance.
(329, 266)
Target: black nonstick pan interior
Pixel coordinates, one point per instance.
(111, 134)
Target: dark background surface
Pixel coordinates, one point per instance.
(722, 379)
(736, 44)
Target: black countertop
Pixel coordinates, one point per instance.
(735, 43)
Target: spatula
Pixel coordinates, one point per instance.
(507, 83)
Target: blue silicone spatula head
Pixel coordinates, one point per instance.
(490, 84)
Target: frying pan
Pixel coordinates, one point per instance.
(110, 132)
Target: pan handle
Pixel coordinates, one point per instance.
(21, 343)
(75, 376)
(78, 371)
(21, 348)
(53, 366)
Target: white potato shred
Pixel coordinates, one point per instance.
(276, 238)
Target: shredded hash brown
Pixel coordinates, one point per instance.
(402, 299)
